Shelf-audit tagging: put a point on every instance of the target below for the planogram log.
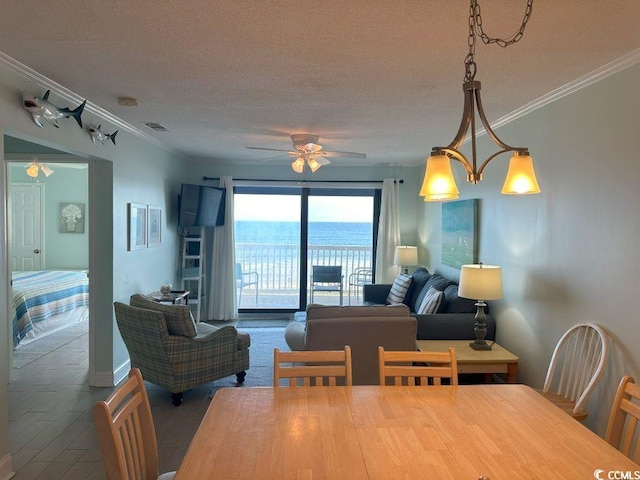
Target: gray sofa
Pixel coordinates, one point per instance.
(454, 319)
(362, 328)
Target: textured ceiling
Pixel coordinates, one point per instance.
(375, 76)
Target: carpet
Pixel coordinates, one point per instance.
(260, 373)
(262, 323)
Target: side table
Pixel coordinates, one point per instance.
(175, 297)
(489, 362)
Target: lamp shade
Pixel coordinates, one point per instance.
(46, 170)
(32, 170)
(406, 256)
(480, 282)
(298, 165)
(438, 183)
(521, 179)
(313, 164)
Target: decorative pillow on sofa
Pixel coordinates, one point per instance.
(431, 301)
(178, 317)
(399, 289)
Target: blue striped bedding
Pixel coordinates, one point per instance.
(39, 295)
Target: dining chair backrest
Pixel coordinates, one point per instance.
(312, 367)
(575, 368)
(126, 433)
(417, 368)
(622, 429)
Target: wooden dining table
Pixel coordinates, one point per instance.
(370, 432)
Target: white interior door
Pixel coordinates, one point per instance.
(26, 227)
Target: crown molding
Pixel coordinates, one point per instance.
(31, 75)
(606, 70)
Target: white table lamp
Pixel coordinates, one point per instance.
(406, 256)
(480, 282)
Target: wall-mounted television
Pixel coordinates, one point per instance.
(201, 206)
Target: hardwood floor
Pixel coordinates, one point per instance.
(51, 432)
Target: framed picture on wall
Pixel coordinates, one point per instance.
(459, 225)
(155, 226)
(137, 226)
(71, 218)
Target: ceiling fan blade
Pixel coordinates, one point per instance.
(275, 157)
(272, 150)
(343, 154)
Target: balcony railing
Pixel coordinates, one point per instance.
(278, 269)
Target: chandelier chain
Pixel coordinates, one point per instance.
(475, 29)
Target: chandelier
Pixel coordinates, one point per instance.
(439, 184)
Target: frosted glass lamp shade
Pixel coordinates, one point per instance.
(298, 165)
(438, 183)
(32, 170)
(46, 170)
(480, 282)
(313, 164)
(521, 179)
(406, 256)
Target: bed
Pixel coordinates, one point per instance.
(44, 302)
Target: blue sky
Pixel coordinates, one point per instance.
(286, 208)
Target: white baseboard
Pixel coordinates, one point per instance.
(121, 372)
(5, 468)
(111, 379)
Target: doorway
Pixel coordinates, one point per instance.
(48, 246)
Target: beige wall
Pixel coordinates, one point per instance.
(570, 254)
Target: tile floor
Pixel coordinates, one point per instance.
(51, 434)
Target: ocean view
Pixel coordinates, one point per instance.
(320, 233)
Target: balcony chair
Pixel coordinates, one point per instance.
(126, 433)
(245, 279)
(173, 352)
(358, 278)
(326, 278)
(576, 366)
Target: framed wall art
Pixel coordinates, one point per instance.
(71, 218)
(459, 225)
(137, 218)
(155, 226)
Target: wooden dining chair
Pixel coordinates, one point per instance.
(623, 420)
(312, 367)
(417, 368)
(126, 433)
(576, 366)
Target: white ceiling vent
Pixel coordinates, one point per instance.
(156, 126)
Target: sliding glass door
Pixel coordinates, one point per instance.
(282, 234)
(339, 246)
(267, 234)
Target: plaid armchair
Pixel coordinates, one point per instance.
(173, 352)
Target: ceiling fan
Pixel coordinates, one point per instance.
(307, 150)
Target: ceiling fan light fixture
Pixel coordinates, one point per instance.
(314, 164)
(439, 185)
(46, 169)
(32, 170)
(298, 165)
